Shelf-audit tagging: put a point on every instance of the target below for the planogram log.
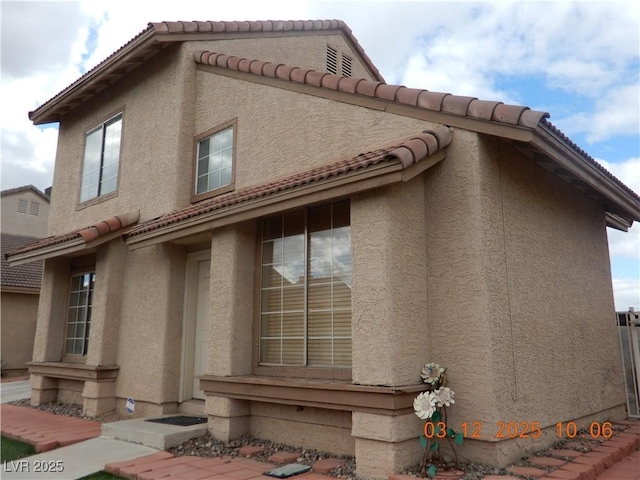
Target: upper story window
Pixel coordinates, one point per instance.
(214, 162)
(101, 159)
(305, 314)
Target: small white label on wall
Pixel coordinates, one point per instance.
(131, 405)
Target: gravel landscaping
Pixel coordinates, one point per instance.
(207, 446)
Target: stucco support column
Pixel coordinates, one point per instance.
(98, 397)
(389, 295)
(54, 298)
(389, 318)
(107, 302)
(230, 345)
(50, 326)
(43, 389)
(149, 336)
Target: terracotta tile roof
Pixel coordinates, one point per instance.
(25, 188)
(436, 101)
(21, 276)
(84, 235)
(267, 26)
(408, 151)
(145, 44)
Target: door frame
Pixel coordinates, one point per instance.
(189, 322)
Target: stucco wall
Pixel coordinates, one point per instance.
(152, 101)
(31, 223)
(157, 150)
(520, 306)
(149, 343)
(280, 132)
(19, 312)
(304, 51)
(554, 338)
(306, 427)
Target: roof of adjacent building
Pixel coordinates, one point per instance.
(28, 276)
(158, 36)
(25, 188)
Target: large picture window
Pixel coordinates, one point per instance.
(305, 317)
(79, 316)
(101, 159)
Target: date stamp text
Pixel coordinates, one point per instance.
(508, 430)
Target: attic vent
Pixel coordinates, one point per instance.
(34, 207)
(22, 205)
(346, 66)
(332, 60)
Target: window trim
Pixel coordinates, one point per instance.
(106, 196)
(327, 373)
(196, 197)
(73, 357)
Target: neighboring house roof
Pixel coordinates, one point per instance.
(158, 36)
(81, 239)
(25, 188)
(25, 278)
(528, 130)
(405, 153)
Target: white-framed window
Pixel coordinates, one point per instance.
(214, 163)
(79, 313)
(101, 159)
(22, 205)
(305, 315)
(34, 208)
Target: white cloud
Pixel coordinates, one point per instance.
(627, 171)
(617, 112)
(626, 293)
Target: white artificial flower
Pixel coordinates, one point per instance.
(443, 397)
(424, 405)
(431, 373)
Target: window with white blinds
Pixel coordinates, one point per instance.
(305, 317)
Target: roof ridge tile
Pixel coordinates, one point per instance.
(459, 105)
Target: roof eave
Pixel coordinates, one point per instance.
(617, 200)
(126, 59)
(619, 223)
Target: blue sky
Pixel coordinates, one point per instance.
(578, 60)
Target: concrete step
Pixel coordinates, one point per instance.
(152, 434)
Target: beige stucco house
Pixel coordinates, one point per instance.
(23, 219)
(255, 226)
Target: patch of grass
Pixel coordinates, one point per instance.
(101, 476)
(13, 450)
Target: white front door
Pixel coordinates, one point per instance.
(195, 332)
(201, 341)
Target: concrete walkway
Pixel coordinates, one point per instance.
(74, 461)
(16, 390)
